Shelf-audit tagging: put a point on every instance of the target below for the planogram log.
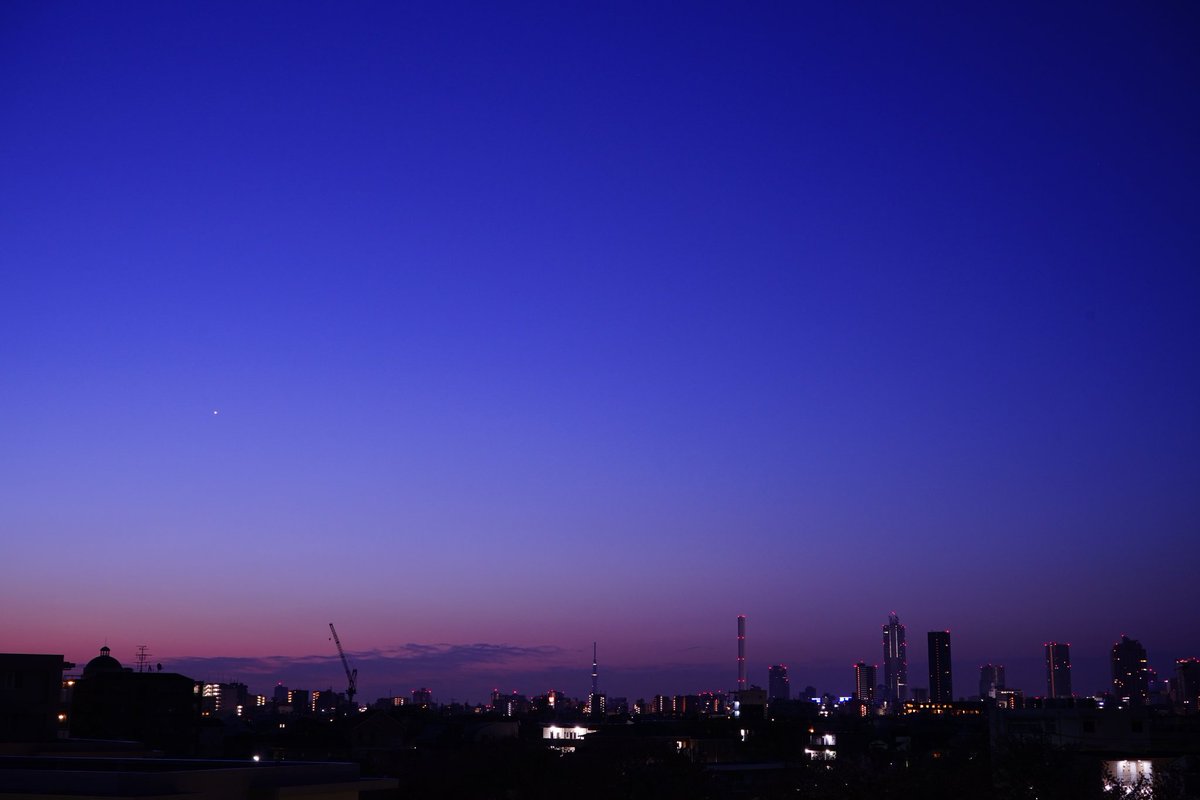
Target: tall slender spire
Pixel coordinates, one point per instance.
(741, 664)
(595, 673)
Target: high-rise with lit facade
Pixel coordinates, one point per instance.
(1058, 669)
(864, 682)
(223, 699)
(991, 680)
(778, 687)
(1130, 672)
(941, 687)
(895, 661)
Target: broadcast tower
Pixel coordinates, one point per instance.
(741, 683)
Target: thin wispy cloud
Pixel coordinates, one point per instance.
(416, 660)
(475, 668)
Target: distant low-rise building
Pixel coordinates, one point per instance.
(224, 699)
(750, 703)
(1009, 699)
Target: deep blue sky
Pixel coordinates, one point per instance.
(529, 325)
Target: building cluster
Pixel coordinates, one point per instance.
(111, 731)
(106, 700)
(885, 730)
(1134, 683)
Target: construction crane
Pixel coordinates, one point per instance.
(351, 674)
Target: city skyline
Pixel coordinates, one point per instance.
(471, 672)
(490, 332)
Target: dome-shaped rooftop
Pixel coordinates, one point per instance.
(102, 663)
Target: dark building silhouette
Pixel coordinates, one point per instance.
(1058, 669)
(751, 703)
(864, 682)
(1185, 686)
(778, 687)
(159, 709)
(328, 701)
(1130, 671)
(941, 686)
(895, 661)
(93, 778)
(300, 700)
(30, 696)
(991, 681)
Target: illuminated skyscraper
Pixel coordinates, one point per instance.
(991, 680)
(895, 661)
(1130, 672)
(941, 687)
(778, 687)
(864, 682)
(1058, 669)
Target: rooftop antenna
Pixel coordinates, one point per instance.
(142, 659)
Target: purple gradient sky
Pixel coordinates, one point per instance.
(532, 325)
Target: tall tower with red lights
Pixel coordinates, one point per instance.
(741, 664)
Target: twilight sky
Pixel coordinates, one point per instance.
(489, 330)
